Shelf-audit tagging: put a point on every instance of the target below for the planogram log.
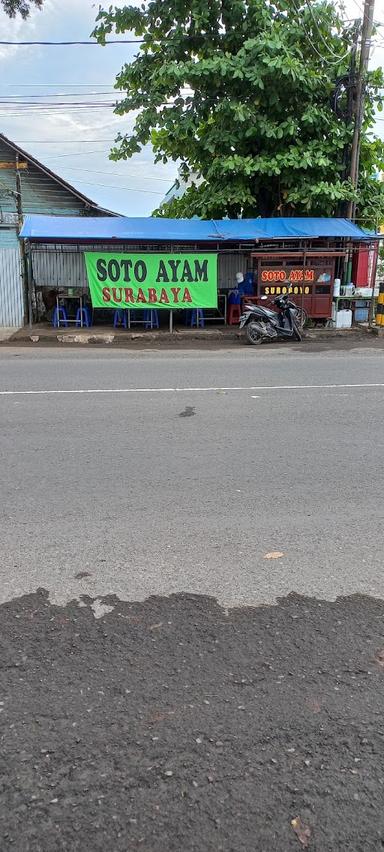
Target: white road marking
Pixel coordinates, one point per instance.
(186, 390)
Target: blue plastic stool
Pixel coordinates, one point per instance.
(151, 319)
(83, 317)
(120, 318)
(197, 318)
(59, 316)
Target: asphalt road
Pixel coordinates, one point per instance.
(158, 491)
(163, 684)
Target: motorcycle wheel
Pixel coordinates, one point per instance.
(253, 334)
(301, 317)
(298, 334)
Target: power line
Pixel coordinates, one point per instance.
(117, 175)
(321, 35)
(51, 111)
(122, 188)
(323, 58)
(358, 6)
(31, 179)
(51, 85)
(26, 106)
(55, 107)
(57, 196)
(70, 43)
(62, 142)
(76, 153)
(49, 104)
(44, 104)
(107, 186)
(9, 98)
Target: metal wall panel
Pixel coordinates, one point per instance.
(11, 289)
(8, 237)
(59, 269)
(65, 267)
(229, 264)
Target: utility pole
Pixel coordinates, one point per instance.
(366, 35)
(352, 77)
(24, 270)
(19, 205)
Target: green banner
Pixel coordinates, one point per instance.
(171, 281)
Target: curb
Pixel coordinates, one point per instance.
(329, 333)
(177, 337)
(127, 337)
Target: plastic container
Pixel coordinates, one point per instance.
(344, 319)
(364, 292)
(361, 314)
(336, 287)
(361, 311)
(349, 290)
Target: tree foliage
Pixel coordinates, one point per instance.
(21, 7)
(242, 93)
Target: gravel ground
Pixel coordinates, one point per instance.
(176, 725)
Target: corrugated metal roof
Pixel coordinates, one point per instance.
(59, 181)
(76, 228)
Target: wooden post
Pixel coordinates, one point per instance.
(302, 289)
(28, 258)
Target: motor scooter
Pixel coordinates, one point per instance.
(261, 323)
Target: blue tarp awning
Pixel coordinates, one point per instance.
(288, 228)
(121, 228)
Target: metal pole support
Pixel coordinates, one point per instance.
(380, 306)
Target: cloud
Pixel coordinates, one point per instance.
(13, 29)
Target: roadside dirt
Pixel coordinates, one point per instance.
(313, 342)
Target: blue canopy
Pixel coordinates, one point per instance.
(121, 229)
(287, 228)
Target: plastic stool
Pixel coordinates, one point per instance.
(83, 318)
(151, 319)
(59, 316)
(120, 318)
(195, 317)
(234, 314)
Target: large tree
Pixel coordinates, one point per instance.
(250, 96)
(22, 7)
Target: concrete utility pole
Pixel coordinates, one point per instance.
(366, 35)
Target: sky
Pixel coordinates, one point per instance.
(75, 141)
